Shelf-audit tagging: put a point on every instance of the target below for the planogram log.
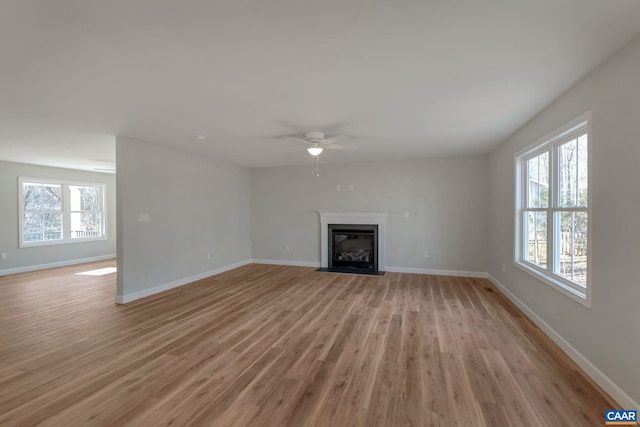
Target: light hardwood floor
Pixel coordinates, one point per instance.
(277, 346)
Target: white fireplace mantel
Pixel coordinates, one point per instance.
(359, 218)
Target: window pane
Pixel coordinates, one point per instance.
(38, 227)
(51, 197)
(536, 238)
(573, 173)
(85, 198)
(31, 196)
(572, 242)
(52, 226)
(538, 181)
(32, 227)
(85, 224)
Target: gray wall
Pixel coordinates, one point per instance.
(608, 333)
(17, 257)
(447, 201)
(196, 206)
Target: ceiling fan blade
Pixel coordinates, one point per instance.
(340, 147)
(334, 139)
(296, 139)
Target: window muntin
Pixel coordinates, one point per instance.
(55, 212)
(553, 210)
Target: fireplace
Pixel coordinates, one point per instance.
(346, 218)
(353, 248)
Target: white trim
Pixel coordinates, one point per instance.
(62, 242)
(607, 384)
(354, 217)
(55, 264)
(553, 283)
(435, 272)
(458, 273)
(286, 262)
(558, 134)
(123, 299)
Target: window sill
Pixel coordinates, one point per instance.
(582, 298)
(60, 242)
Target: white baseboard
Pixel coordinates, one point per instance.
(618, 394)
(123, 299)
(55, 264)
(316, 264)
(432, 271)
(286, 262)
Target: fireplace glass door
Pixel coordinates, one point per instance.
(353, 247)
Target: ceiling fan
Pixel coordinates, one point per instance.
(316, 142)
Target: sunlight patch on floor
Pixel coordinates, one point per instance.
(98, 272)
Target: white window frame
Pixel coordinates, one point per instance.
(65, 211)
(550, 143)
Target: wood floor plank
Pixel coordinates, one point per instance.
(460, 394)
(381, 404)
(357, 396)
(266, 345)
(510, 395)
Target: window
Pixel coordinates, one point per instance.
(552, 209)
(54, 212)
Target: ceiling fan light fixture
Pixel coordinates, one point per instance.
(315, 151)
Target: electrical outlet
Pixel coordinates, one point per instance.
(209, 256)
(338, 188)
(287, 248)
(143, 217)
(406, 214)
(4, 255)
(426, 254)
(350, 187)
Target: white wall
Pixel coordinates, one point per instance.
(608, 333)
(24, 259)
(197, 206)
(447, 201)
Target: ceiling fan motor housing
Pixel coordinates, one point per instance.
(315, 136)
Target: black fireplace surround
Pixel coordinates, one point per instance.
(353, 248)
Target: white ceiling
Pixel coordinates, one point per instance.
(403, 78)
